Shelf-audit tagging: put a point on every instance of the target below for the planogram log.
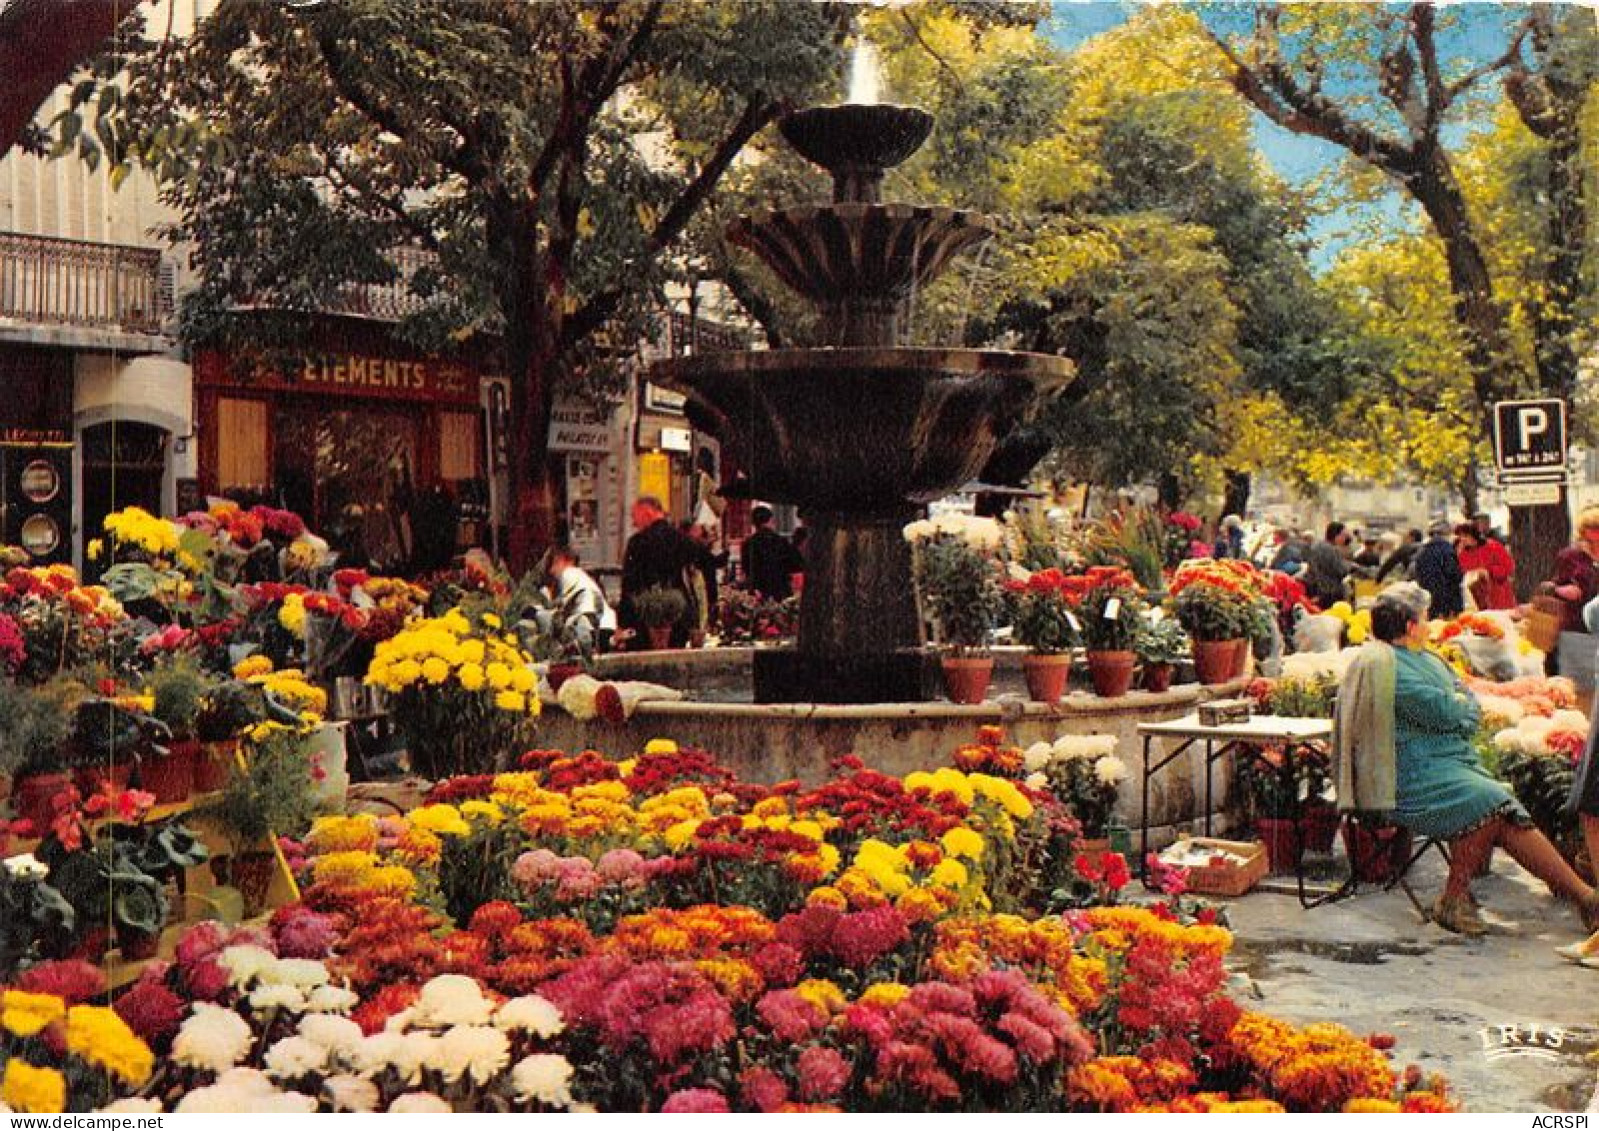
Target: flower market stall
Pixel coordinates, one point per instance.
(554, 930)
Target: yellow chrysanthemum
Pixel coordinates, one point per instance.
(99, 1036)
(39, 1091)
(962, 841)
(24, 1014)
(885, 995)
(660, 746)
(445, 820)
(252, 666)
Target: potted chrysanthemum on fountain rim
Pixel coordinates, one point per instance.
(958, 583)
(1045, 621)
(1112, 617)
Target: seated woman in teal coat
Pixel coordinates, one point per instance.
(1443, 790)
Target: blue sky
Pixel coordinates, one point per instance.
(1478, 35)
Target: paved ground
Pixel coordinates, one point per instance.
(1371, 964)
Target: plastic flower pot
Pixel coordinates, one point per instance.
(660, 637)
(213, 764)
(1158, 677)
(1281, 836)
(1111, 672)
(966, 678)
(1215, 661)
(171, 778)
(31, 797)
(1046, 675)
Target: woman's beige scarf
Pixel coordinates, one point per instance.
(1363, 735)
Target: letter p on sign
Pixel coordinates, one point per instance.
(1531, 422)
(1530, 437)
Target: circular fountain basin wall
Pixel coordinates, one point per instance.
(776, 742)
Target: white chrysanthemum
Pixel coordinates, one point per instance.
(1070, 746)
(1037, 757)
(302, 972)
(244, 1090)
(1566, 719)
(1036, 781)
(419, 1103)
(244, 963)
(544, 1077)
(452, 999)
(267, 996)
(351, 1093)
(133, 1105)
(399, 1021)
(530, 1014)
(480, 1051)
(294, 1057)
(1110, 770)
(919, 530)
(417, 1050)
(331, 999)
(212, 1038)
(339, 1035)
(378, 1052)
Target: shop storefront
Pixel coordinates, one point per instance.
(382, 452)
(583, 439)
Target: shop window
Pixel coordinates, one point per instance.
(460, 446)
(242, 458)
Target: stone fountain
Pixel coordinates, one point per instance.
(862, 431)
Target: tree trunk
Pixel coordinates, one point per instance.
(1235, 499)
(530, 361)
(1537, 534)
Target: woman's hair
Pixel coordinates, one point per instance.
(1588, 519)
(1390, 620)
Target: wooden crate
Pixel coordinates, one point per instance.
(1226, 879)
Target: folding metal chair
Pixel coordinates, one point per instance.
(1372, 822)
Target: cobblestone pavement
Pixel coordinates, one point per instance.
(1484, 1012)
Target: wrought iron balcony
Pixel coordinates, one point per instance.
(47, 281)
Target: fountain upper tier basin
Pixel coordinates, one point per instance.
(839, 252)
(854, 135)
(863, 431)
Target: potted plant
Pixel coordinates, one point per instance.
(178, 688)
(1160, 644)
(659, 609)
(1310, 698)
(1271, 784)
(1214, 602)
(957, 580)
(1044, 621)
(230, 708)
(1112, 619)
(270, 793)
(1084, 771)
(35, 733)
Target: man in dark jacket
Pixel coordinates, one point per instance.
(1398, 564)
(1326, 567)
(770, 561)
(1437, 570)
(656, 555)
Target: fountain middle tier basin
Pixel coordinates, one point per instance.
(863, 431)
(835, 253)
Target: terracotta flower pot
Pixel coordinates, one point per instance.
(1046, 675)
(31, 797)
(1215, 661)
(171, 778)
(1318, 828)
(1158, 677)
(1091, 846)
(966, 678)
(1112, 672)
(660, 638)
(95, 778)
(213, 765)
(1281, 835)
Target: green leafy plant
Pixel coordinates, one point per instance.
(660, 606)
(36, 725)
(960, 590)
(32, 912)
(1042, 616)
(1111, 610)
(1209, 613)
(179, 688)
(271, 794)
(1135, 539)
(229, 709)
(1160, 641)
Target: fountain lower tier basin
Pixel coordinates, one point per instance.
(862, 431)
(775, 742)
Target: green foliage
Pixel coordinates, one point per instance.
(180, 690)
(660, 606)
(231, 706)
(31, 912)
(272, 794)
(1543, 783)
(1208, 613)
(1133, 538)
(1043, 621)
(1310, 698)
(1161, 641)
(959, 586)
(1112, 617)
(36, 724)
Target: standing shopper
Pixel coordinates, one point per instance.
(1326, 567)
(1488, 567)
(1437, 570)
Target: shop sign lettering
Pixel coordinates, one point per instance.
(579, 427)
